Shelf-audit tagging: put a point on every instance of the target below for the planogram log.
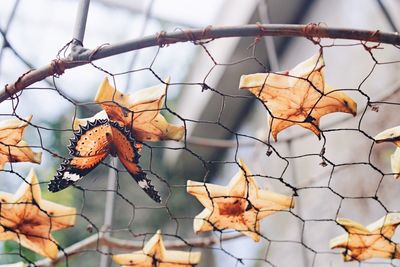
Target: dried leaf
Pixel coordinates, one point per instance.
(299, 96)
(240, 205)
(140, 110)
(154, 250)
(392, 135)
(373, 241)
(12, 147)
(29, 220)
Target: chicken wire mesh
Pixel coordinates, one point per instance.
(345, 174)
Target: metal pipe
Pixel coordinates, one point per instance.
(85, 56)
(80, 22)
(105, 260)
(284, 30)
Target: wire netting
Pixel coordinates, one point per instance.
(345, 174)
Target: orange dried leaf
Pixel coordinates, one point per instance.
(299, 96)
(29, 220)
(12, 147)
(240, 205)
(154, 250)
(374, 241)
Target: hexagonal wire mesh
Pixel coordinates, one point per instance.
(344, 174)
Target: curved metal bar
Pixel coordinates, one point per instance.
(84, 56)
(283, 30)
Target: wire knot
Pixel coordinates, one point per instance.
(312, 32)
(161, 38)
(57, 67)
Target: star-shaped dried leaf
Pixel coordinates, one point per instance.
(373, 241)
(29, 220)
(240, 205)
(12, 147)
(140, 110)
(299, 96)
(155, 254)
(392, 135)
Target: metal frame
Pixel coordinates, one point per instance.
(283, 30)
(80, 23)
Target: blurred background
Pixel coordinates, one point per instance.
(221, 124)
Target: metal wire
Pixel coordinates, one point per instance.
(137, 220)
